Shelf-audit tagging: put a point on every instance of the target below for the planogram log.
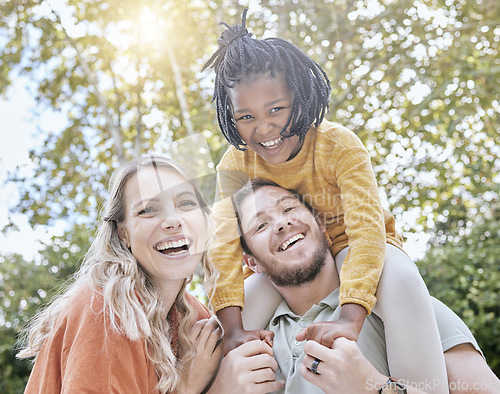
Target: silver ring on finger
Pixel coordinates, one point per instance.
(314, 366)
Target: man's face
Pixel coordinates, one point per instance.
(285, 239)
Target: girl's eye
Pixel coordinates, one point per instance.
(288, 209)
(244, 117)
(277, 109)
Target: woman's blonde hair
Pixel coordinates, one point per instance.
(131, 302)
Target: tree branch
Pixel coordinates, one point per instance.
(114, 130)
(179, 85)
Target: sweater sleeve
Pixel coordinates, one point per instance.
(364, 226)
(225, 251)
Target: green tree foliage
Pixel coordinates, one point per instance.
(25, 286)
(109, 66)
(415, 79)
(461, 269)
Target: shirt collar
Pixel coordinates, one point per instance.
(331, 300)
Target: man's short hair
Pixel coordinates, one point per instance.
(251, 187)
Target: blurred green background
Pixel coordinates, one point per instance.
(416, 80)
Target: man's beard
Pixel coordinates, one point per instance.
(296, 276)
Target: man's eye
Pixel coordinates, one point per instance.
(260, 226)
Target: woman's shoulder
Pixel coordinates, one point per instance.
(87, 326)
(84, 351)
(84, 310)
(201, 310)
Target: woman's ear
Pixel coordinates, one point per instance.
(122, 234)
(252, 263)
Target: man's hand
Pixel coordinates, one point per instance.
(341, 369)
(348, 326)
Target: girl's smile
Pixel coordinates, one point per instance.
(261, 108)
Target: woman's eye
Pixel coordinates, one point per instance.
(147, 211)
(276, 109)
(188, 204)
(288, 209)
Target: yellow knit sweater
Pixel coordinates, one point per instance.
(334, 174)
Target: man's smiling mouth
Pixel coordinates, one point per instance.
(291, 241)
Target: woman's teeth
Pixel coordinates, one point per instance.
(173, 247)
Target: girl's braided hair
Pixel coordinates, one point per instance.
(240, 56)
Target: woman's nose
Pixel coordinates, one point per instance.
(170, 219)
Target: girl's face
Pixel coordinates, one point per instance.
(261, 108)
(164, 224)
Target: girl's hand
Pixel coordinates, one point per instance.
(325, 333)
(250, 368)
(235, 335)
(238, 336)
(205, 335)
(348, 325)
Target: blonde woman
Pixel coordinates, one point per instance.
(125, 322)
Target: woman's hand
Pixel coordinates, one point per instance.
(250, 368)
(205, 335)
(341, 369)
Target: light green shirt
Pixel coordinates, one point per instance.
(289, 353)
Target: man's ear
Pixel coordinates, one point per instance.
(252, 263)
(122, 234)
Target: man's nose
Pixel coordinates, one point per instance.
(283, 223)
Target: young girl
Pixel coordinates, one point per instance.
(126, 323)
(271, 99)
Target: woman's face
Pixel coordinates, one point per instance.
(164, 225)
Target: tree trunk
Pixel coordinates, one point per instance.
(179, 88)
